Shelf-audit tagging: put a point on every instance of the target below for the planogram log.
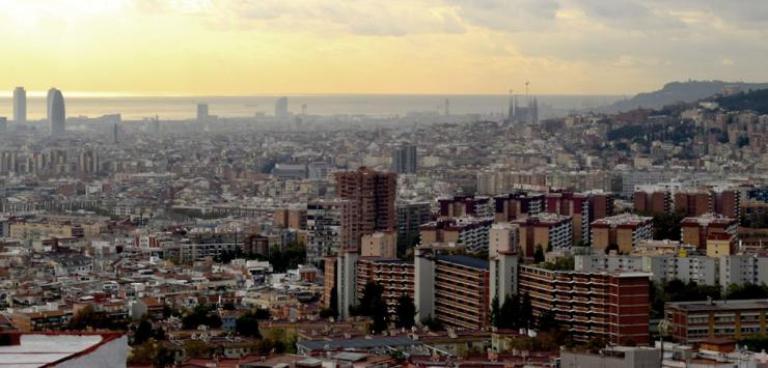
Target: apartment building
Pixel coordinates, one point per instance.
(697, 230)
(394, 275)
(624, 231)
(453, 289)
(470, 233)
(592, 305)
(545, 230)
(695, 322)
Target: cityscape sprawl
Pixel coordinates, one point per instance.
(635, 238)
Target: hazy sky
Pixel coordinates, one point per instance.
(227, 47)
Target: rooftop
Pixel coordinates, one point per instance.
(465, 261)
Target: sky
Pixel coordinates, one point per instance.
(252, 47)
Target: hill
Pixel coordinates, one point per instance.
(677, 92)
(756, 100)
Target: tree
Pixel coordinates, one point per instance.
(262, 314)
(538, 255)
(747, 291)
(405, 312)
(547, 321)
(510, 309)
(201, 314)
(526, 311)
(495, 312)
(143, 332)
(667, 226)
(248, 325)
(372, 304)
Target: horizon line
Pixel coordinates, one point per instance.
(90, 94)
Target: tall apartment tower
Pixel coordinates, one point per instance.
(372, 195)
(404, 159)
(281, 108)
(202, 112)
(19, 105)
(56, 112)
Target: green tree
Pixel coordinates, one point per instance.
(248, 325)
(667, 226)
(547, 321)
(495, 312)
(405, 312)
(747, 291)
(538, 255)
(201, 314)
(510, 312)
(526, 311)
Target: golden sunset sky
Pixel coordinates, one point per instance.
(231, 47)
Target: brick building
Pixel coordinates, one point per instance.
(610, 306)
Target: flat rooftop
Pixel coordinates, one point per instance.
(39, 350)
(721, 305)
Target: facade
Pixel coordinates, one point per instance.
(503, 238)
(291, 218)
(394, 275)
(702, 270)
(327, 223)
(19, 105)
(652, 202)
(503, 268)
(411, 215)
(613, 307)
(372, 195)
(452, 289)
(694, 322)
(379, 244)
(513, 206)
(544, 230)
(465, 206)
(624, 231)
(693, 202)
(575, 206)
(404, 159)
(696, 230)
(56, 113)
(467, 232)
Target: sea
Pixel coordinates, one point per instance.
(180, 108)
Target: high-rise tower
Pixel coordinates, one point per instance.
(19, 105)
(56, 113)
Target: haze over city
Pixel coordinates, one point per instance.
(226, 47)
(383, 184)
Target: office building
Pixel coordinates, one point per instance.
(404, 159)
(372, 196)
(452, 289)
(695, 322)
(622, 231)
(19, 105)
(613, 307)
(56, 113)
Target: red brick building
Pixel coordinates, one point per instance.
(610, 306)
(372, 195)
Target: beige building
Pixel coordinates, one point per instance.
(379, 244)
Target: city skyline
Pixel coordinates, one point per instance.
(309, 47)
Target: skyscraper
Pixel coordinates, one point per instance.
(19, 105)
(404, 159)
(281, 108)
(56, 113)
(202, 112)
(372, 194)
